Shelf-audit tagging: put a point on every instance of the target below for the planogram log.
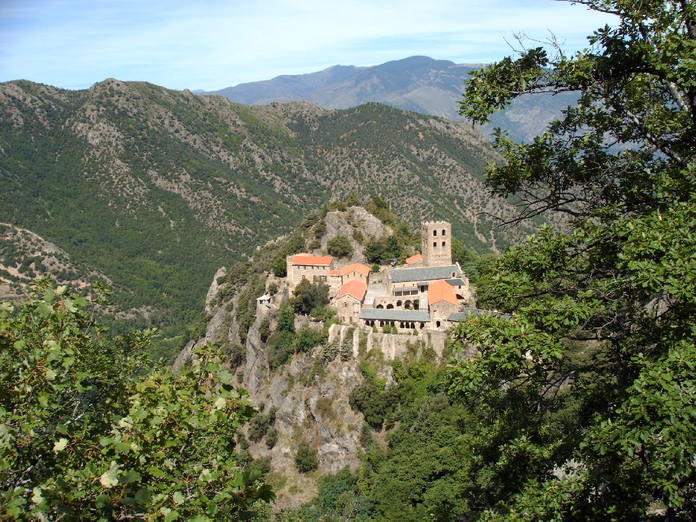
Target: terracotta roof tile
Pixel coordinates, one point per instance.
(416, 258)
(441, 291)
(355, 267)
(308, 259)
(356, 289)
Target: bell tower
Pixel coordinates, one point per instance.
(436, 243)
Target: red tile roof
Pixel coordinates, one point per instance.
(416, 258)
(308, 259)
(355, 267)
(355, 289)
(441, 290)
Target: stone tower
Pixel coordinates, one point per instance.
(436, 243)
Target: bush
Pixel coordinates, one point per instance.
(307, 339)
(235, 354)
(378, 406)
(271, 438)
(307, 458)
(309, 296)
(265, 329)
(281, 347)
(279, 267)
(261, 466)
(286, 319)
(340, 246)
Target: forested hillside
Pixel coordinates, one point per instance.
(157, 188)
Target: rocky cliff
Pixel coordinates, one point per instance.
(307, 398)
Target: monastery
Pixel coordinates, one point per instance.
(429, 292)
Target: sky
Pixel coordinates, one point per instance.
(212, 44)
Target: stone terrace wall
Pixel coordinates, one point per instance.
(392, 346)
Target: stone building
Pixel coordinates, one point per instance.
(310, 267)
(353, 272)
(349, 301)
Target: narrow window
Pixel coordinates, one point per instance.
(444, 232)
(443, 244)
(434, 232)
(434, 244)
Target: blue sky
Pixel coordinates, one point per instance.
(211, 44)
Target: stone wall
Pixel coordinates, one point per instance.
(392, 346)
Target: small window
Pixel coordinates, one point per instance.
(434, 244)
(443, 244)
(444, 232)
(434, 232)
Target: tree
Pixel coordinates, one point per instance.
(85, 433)
(307, 458)
(340, 246)
(586, 395)
(308, 296)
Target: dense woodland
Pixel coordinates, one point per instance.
(581, 406)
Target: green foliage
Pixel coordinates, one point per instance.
(271, 438)
(281, 346)
(85, 434)
(381, 252)
(286, 319)
(260, 424)
(308, 296)
(375, 403)
(307, 458)
(593, 375)
(308, 338)
(280, 267)
(340, 246)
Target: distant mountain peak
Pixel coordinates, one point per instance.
(416, 83)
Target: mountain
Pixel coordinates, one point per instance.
(155, 189)
(418, 83)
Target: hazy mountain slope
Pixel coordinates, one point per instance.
(417, 83)
(157, 188)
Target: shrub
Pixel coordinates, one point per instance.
(308, 296)
(307, 458)
(271, 438)
(307, 339)
(279, 267)
(265, 329)
(340, 246)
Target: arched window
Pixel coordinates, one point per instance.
(437, 323)
(434, 232)
(444, 232)
(390, 306)
(398, 303)
(443, 244)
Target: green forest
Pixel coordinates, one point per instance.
(579, 405)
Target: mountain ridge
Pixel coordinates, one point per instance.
(156, 188)
(417, 83)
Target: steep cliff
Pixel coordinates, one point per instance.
(304, 401)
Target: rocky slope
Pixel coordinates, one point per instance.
(309, 395)
(417, 83)
(156, 188)
(26, 256)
